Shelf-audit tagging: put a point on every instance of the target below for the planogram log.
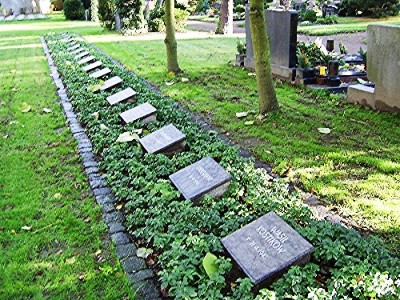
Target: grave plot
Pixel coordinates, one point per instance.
(145, 113)
(167, 140)
(111, 83)
(86, 60)
(124, 95)
(100, 73)
(203, 177)
(266, 247)
(92, 66)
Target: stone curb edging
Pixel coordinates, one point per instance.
(141, 277)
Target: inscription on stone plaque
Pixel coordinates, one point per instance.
(144, 112)
(100, 73)
(86, 60)
(76, 46)
(110, 83)
(121, 96)
(81, 55)
(266, 247)
(92, 66)
(203, 177)
(167, 139)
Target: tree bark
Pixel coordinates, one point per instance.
(265, 84)
(95, 10)
(170, 41)
(225, 23)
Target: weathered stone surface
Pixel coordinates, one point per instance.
(124, 251)
(163, 140)
(104, 198)
(92, 66)
(144, 112)
(101, 191)
(107, 208)
(20, 17)
(86, 60)
(202, 177)
(120, 238)
(10, 18)
(116, 227)
(100, 73)
(115, 216)
(81, 55)
(146, 290)
(266, 247)
(76, 46)
(111, 83)
(123, 95)
(140, 275)
(133, 264)
(361, 94)
(78, 50)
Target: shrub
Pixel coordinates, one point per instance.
(106, 13)
(239, 8)
(328, 20)
(73, 10)
(181, 17)
(159, 13)
(131, 14)
(309, 15)
(369, 8)
(156, 25)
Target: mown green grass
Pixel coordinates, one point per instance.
(346, 25)
(53, 241)
(355, 168)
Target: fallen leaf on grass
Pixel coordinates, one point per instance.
(324, 130)
(13, 71)
(81, 277)
(14, 89)
(47, 110)
(2, 103)
(251, 74)
(12, 122)
(185, 79)
(118, 207)
(242, 114)
(71, 260)
(26, 107)
(5, 136)
(168, 83)
(247, 123)
(59, 252)
(26, 228)
(97, 253)
(144, 252)
(57, 196)
(87, 220)
(127, 137)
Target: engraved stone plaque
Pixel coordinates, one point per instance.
(110, 83)
(100, 73)
(86, 60)
(121, 96)
(205, 176)
(92, 66)
(167, 139)
(144, 112)
(267, 247)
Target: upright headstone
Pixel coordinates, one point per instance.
(167, 139)
(100, 73)
(145, 113)
(117, 22)
(111, 83)
(282, 34)
(205, 176)
(124, 95)
(92, 66)
(266, 247)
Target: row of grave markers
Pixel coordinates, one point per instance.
(263, 248)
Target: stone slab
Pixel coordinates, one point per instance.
(78, 50)
(144, 112)
(81, 55)
(10, 18)
(163, 139)
(110, 83)
(124, 95)
(202, 177)
(266, 247)
(86, 60)
(100, 73)
(30, 17)
(20, 17)
(2, 18)
(92, 66)
(76, 46)
(361, 94)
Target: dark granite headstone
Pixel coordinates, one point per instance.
(124, 95)
(110, 83)
(144, 112)
(100, 73)
(92, 66)
(86, 60)
(267, 247)
(81, 55)
(76, 46)
(78, 50)
(167, 139)
(205, 176)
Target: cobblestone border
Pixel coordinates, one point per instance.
(141, 277)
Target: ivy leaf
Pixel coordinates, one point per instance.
(324, 130)
(144, 252)
(127, 137)
(209, 264)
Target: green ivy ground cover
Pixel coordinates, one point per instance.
(343, 265)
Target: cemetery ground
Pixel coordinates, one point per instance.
(53, 242)
(354, 168)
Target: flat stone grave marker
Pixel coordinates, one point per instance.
(30, 17)
(267, 247)
(100, 73)
(78, 50)
(124, 95)
(20, 17)
(81, 55)
(76, 46)
(86, 60)
(205, 176)
(167, 139)
(40, 16)
(110, 83)
(2, 18)
(10, 18)
(145, 113)
(92, 66)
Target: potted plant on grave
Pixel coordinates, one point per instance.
(241, 54)
(304, 70)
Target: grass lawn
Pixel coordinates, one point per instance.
(53, 242)
(355, 168)
(346, 25)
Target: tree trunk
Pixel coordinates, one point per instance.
(95, 10)
(170, 41)
(265, 84)
(225, 23)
